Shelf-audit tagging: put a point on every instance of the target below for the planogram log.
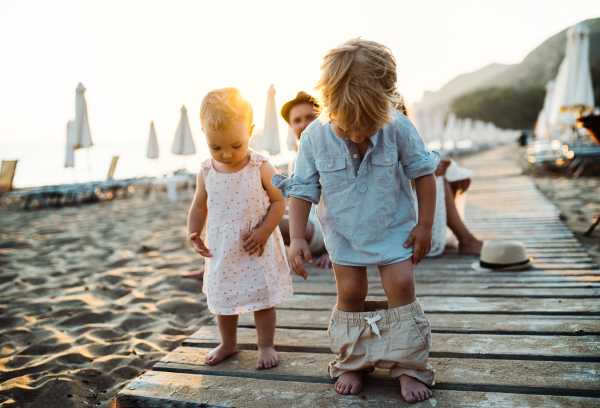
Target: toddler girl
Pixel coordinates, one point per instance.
(246, 269)
(356, 164)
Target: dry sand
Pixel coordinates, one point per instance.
(91, 297)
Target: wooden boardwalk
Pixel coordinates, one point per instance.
(512, 339)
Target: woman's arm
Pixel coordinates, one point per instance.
(420, 236)
(197, 217)
(256, 239)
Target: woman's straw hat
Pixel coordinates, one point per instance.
(502, 256)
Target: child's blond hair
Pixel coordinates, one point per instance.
(221, 107)
(357, 84)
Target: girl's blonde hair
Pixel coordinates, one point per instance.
(221, 107)
(357, 84)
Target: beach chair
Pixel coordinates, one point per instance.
(7, 174)
(113, 166)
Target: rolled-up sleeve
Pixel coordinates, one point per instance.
(304, 182)
(416, 161)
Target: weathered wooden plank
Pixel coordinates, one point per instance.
(155, 389)
(501, 324)
(463, 290)
(479, 346)
(546, 375)
(440, 304)
(544, 281)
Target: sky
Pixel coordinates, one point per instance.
(142, 60)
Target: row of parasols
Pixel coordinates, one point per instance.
(80, 137)
(448, 133)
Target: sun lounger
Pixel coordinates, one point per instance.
(7, 174)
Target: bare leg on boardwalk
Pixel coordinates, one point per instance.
(352, 287)
(265, 321)
(228, 330)
(399, 285)
(467, 243)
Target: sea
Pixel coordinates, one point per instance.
(43, 165)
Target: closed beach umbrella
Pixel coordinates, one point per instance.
(542, 126)
(478, 135)
(269, 138)
(449, 129)
(438, 125)
(183, 144)
(490, 133)
(83, 136)
(427, 133)
(573, 89)
(456, 130)
(78, 131)
(152, 152)
(466, 129)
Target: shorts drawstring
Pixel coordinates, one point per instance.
(372, 321)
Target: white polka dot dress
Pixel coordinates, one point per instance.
(235, 282)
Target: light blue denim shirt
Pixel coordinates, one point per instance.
(366, 209)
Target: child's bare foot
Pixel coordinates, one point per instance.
(413, 390)
(350, 382)
(471, 247)
(267, 358)
(217, 355)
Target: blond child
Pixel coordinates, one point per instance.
(246, 270)
(356, 164)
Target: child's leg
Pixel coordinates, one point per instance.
(399, 285)
(352, 287)
(265, 321)
(228, 330)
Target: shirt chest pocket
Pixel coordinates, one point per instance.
(384, 167)
(333, 173)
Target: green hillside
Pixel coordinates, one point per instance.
(538, 67)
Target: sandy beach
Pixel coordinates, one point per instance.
(92, 297)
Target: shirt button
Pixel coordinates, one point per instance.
(329, 165)
(387, 160)
(355, 156)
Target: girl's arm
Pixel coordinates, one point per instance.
(256, 239)
(197, 217)
(420, 236)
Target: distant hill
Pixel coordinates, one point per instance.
(538, 67)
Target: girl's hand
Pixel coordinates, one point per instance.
(198, 245)
(299, 249)
(420, 236)
(255, 241)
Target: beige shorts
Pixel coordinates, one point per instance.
(403, 347)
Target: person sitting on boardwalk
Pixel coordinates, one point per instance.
(447, 214)
(246, 269)
(359, 159)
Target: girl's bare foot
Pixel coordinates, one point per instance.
(413, 390)
(350, 382)
(217, 355)
(470, 247)
(267, 358)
